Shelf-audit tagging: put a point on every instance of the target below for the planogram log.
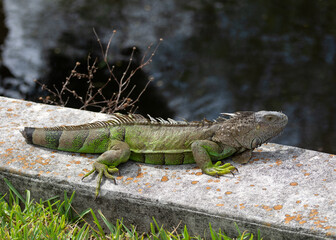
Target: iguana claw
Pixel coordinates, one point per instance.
(219, 169)
(102, 169)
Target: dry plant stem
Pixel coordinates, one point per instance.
(116, 102)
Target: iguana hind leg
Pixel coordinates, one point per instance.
(107, 163)
(204, 151)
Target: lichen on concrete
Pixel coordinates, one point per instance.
(286, 192)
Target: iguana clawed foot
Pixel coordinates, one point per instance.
(102, 169)
(218, 169)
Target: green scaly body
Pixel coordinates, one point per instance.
(158, 141)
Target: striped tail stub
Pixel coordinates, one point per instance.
(27, 133)
(41, 137)
(72, 140)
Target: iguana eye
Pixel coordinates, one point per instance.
(269, 118)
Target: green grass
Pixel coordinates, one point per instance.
(24, 218)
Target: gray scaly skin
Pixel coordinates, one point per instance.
(158, 141)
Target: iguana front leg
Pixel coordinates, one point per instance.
(204, 151)
(106, 163)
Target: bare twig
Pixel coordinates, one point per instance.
(94, 97)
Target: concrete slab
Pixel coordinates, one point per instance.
(286, 192)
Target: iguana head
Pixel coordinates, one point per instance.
(251, 129)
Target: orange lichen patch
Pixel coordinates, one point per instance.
(242, 206)
(332, 155)
(271, 165)
(217, 180)
(198, 173)
(68, 165)
(218, 190)
(294, 156)
(319, 222)
(86, 170)
(316, 194)
(306, 174)
(140, 175)
(28, 104)
(119, 177)
(293, 184)
(313, 213)
(9, 150)
(251, 185)
(220, 205)
(290, 218)
(258, 150)
(136, 180)
(139, 190)
(164, 179)
(256, 159)
(81, 175)
(10, 109)
(298, 201)
(228, 193)
(210, 180)
(77, 162)
(2, 143)
(208, 188)
(278, 162)
(329, 234)
(129, 179)
(302, 222)
(268, 224)
(194, 182)
(267, 208)
(277, 207)
(299, 165)
(46, 162)
(220, 197)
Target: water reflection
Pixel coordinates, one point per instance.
(217, 56)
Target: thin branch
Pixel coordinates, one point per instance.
(94, 97)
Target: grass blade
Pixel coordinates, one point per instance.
(11, 187)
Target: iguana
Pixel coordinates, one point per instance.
(158, 141)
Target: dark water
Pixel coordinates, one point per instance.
(217, 56)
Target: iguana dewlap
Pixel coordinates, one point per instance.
(158, 141)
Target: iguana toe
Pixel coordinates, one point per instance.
(218, 170)
(102, 169)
